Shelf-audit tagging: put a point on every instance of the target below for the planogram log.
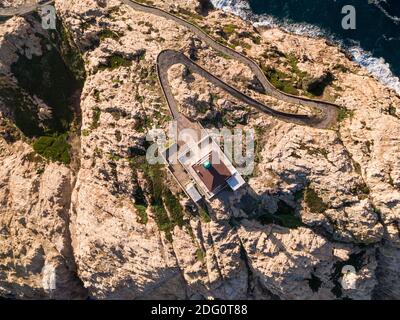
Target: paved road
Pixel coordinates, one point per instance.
(10, 12)
(328, 110)
(168, 58)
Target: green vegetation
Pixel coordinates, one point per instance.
(96, 95)
(229, 29)
(253, 37)
(142, 213)
(280, 80)
(163, 222)
(48, 78)
(139, 98)
(108, 34)
(148, 2)
(285, 217)
(299, 195)
(314, 202)
(114, 157)
(302, 80)
(168, 212)
(96, 112)
(174, 208)
(223, 55)
(284, 220)
(116, 113)
(313, 151)
(161, 199)
(9, 131)
(240, 43)
(53, 77)
(344, 113)
(116, 61)
(357, 167)
(189, 14)
(156, 177)
(112, 10)
(54, 148)
(141, 205)
(391, 110)
(204, 216)
(200, 255)
(296, 80)
(258, 143)
(361, 190)
(341, 68)
(293, 61)
(71, 54)
(149, 75)
(273, 52)
(118, 135)
(289, 221)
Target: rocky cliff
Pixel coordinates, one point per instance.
(79, 204)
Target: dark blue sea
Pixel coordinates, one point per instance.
(375, 43)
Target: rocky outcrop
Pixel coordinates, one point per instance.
(319, 201)
(302, 265)
(36, 249)
(15, 3)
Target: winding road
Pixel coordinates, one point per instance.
(168, 58)
(10, 12)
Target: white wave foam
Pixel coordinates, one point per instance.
(377, 3)
(375, 66)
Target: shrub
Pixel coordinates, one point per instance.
(314, 201)
(96, 112)
(174, 208)
(107, 33)
(284, 217)
(163, 222)
(142, 213)
(280, 80)
(54, 148)
(116, 61)
(204, 216)
(344, 114)
(341, 68)
(288, 221)
(229, 29)
(200, 254)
